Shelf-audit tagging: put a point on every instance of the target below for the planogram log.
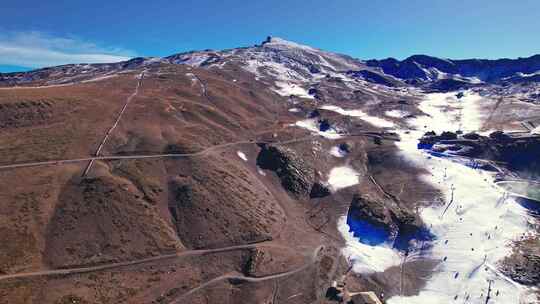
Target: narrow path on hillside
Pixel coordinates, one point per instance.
(204, 90)
(115, 124)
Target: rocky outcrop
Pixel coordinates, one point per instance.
(319, 190)
(373, 210)
(296, 175)
(431, 137)
(523, 266)
(526, 270)
(400, 224)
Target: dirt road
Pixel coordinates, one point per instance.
(179, 155)
(115, 124)
(182, 254)
(240, 277)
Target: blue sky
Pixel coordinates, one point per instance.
(43, 33)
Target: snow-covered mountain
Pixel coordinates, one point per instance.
(287, 67)
(290, 63)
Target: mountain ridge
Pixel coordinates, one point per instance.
(487, 70)
(417, 70)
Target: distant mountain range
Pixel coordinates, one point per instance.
(306, 63)
(423, 68)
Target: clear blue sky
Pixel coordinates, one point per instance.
(67, 31)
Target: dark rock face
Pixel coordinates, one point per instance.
(373, 210)
(448, 135)
(499, 136)
(528, 271)
(314, 113)
(431, 138)
(324, 125)
(314, 69)
(319, 190)
(447, 85)
(315, 93)
(295, 174)
(345, 147)
(333, 294)
(523, 266)
(521, 154)
(471, 136)
(383, 221)
(369, 227)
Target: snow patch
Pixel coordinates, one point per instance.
(527, 75)
(396, 113)
(337, 152)
(376, 121)
(280, 42)
(99, 78)
(313, 126)
(446, 112)
(288, 89)
(366, 258)
(241, 155)
(260, 171)
(192, 77)
(294, 110)
(342, 177)
(192, 59)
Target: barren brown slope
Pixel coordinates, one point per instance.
(132, 209)
(59, 122)
(177, 111)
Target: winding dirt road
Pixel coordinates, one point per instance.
(182, 254)
(240, 277)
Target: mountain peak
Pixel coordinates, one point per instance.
(277, 41)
